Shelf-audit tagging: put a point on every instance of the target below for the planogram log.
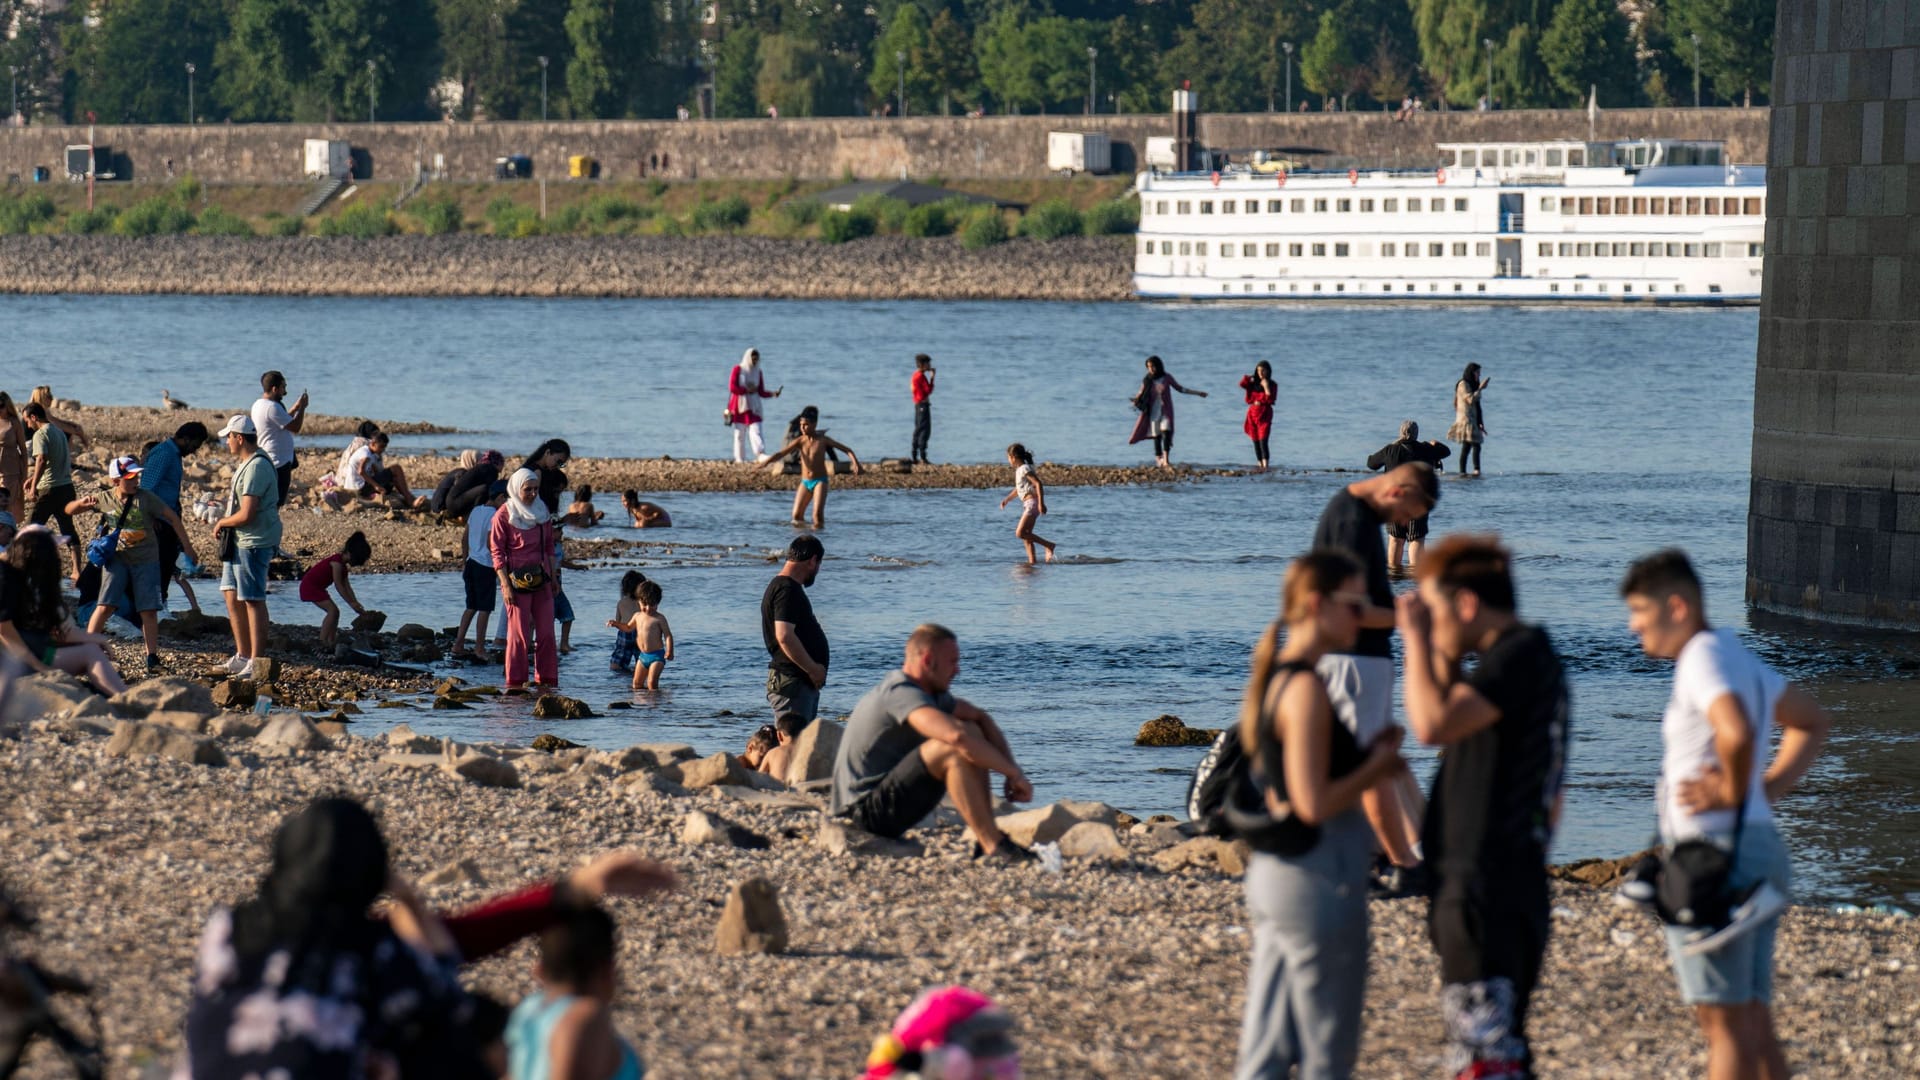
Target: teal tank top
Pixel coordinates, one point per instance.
(530, 1028)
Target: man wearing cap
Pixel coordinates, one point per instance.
(253, 517)
(275, 426)
(796, 646)
(132, 574)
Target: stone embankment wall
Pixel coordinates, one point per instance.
(994, 147)
(885, 268)
(1833, 526)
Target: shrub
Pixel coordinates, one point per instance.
(161, 215)
(983, 230)
(889, 215)
(797, 214)
(1112, 216)
(1051, 220)
(363, 221)
(567, 219)
(288, 226)
(840, 226)
(656, 187)
(91, 222)
(606, 213)
(217, 222)
(670, 226)
(787, 186)
(927, 220)
(19, 216)
(726, 215)
(441, 216)
(509, 218)
(187, 189)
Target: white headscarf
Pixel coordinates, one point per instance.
(749, 360)
(520, 513)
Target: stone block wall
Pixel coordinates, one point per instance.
(1833, 526)
(994, 147)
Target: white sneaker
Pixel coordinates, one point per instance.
(236, 663)
(246, 670)
(1762, 904)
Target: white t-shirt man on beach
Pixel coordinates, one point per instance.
(479, 524)
(1711, 665)
(270, 419)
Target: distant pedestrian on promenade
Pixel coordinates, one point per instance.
(1261, 394)
(911, 743)
(1360, 679)
(521, 540)
(163, 472)
(922, 405)
(797, 654)
(1033, 500)
(1306, 883)
(246, 539)
(51, 480)
(810, 449)
(1716, 783)
(746, 387)
(1154, 401)
(1496, 799)
(1469, 420)
(1405, 541)
(277, 426)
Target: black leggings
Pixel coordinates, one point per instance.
(1163, 444)
(1467, 448)
(1260, 450)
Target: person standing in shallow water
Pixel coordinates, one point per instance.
(521, 540)
(1154, 401)
(1261, 394)
(1469, 421)
(746, 387)
(922, 406)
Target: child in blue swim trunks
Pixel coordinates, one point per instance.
(653, 638)
(810, 449)
(625, 652)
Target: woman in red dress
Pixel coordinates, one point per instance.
(1260, 396)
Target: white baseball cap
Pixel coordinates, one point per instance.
(122, 467)
(238, 424)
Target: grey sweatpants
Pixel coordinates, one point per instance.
(1307, 979)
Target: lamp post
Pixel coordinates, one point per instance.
(371, 78)
(1488, 42)
(900, 70)
(189, 91)
(1093, 98)
(543, 89)
(13, 110)
(1287, 47)
(1696, 69)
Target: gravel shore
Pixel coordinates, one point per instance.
(875, 268)
(1113, 968)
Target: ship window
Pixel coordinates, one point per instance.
(1555, 287)
(1186, 248)
(1392, 206)
(1271, 287)
(1460, 249)
(1599, 251)
(1460, 205)
(1206, 206)
(1253, 206)
(1226, 251)
(1586, 206)
(1146, 247)
(1679, 288)
(1293, 250)
(1620, 204)
(1657, 207)
(1228, 206)
(1546, 248)
(1583, 250)
(1183, 207)
(1319, 206)
(1693, 251)
(1673, 251)
(1166, 247)
(1636, 250)
(1554, 157)
(1456, 287)
(1693, 205)
(1729, 206)
(1532, 157)
(1577, 287)
(1750, 206)
(1366, 206)
(1602, 205)
(1626, 288)
(1344, 205)
(1292, 287)
(1413, 206)
(1547, 203)
(1510, 157)
(1199, 247)
(1566, 249)
(1340, 287)
(1483, 248)
(1299, 206)
(1384, 287)
(1754, 251)
(1412, 248)
(1248, 250)
(1577, 158)
(1640, 205)
(1319, 250)
(1713, 251)
(1712, 207)
(1316, 286)
(1436, 205)
(1273, 251)
(1620, 251)
(1387, 250)
(1480, 288)
(1274, 206)
(1436, 250)
(1340, 251)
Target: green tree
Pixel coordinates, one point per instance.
(736, 93)
(1736, 45)
(1586, 46)
(1007, 67)
(612, 40)
(266, 60)
(795, 76)
(905, 33)
(137, 56)
(398, 37)
(1230, 52)
(476, 53)
(949, 60)
(1330, 64)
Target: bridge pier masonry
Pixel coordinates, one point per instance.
(1833, 525)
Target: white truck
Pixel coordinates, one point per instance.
(1070, 152)
(328, 157)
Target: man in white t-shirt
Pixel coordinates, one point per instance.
(277, 426)
(1716, 731)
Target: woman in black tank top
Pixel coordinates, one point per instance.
(1306, 881)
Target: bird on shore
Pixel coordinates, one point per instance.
(167, 402)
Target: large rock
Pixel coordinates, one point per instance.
(752, 921)
(192, 723)
(560, 707)
(47, 693)
(1172, 731)
(289, 733)
(485, 771)
(235, 694)
(171, 694)
(411, 633)
(405, 740)
(813, 752)
(131, 738)
(1092, 840)
(1599, 873)
(702, 828)
(1204, 851)
(1040, 825)
(709, 771)
(235, 725)
(548, 743)
(369, 621)
(838, 838)
(1095, 811)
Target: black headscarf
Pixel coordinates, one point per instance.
(329, 864)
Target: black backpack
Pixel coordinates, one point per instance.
(1227, 800)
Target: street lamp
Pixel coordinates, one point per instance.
(189, 91)
(1287, 47)
(371, 79)
(1488, 42)
(1696, 69)
(900, 69)
(543, 89)
(13, 110)
(1093, 98)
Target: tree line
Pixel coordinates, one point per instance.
(125, 61)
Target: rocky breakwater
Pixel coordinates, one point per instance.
(875, 268)
(793, 939)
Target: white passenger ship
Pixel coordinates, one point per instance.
(1663, 221)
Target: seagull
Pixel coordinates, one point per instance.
(167, 402)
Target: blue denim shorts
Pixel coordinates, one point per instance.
(1743, 970)
(247, 579)
(562, 607)
(138, 584)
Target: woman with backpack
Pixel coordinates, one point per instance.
(1307, 879)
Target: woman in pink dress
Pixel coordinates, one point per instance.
(1261, 394)
(745, 388)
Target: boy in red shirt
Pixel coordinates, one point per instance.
(922, 405)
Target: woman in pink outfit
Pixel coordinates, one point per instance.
(745, 389)
(521, 540)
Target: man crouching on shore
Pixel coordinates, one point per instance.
(910, 741)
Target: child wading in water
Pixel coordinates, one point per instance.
(581, 512)
(477, 576)
(810, 448)
(331, 573)
(652, 637)
(1033, 500)
(625, 652)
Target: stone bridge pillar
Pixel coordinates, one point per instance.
(1833, 526)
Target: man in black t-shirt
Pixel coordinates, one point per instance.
(1405, 541)
(1496, 798)
(797, 655)
(1360, 681)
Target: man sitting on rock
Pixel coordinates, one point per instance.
(910, 741)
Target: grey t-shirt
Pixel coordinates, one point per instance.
(879, 737)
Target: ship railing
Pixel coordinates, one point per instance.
(1244, 173)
